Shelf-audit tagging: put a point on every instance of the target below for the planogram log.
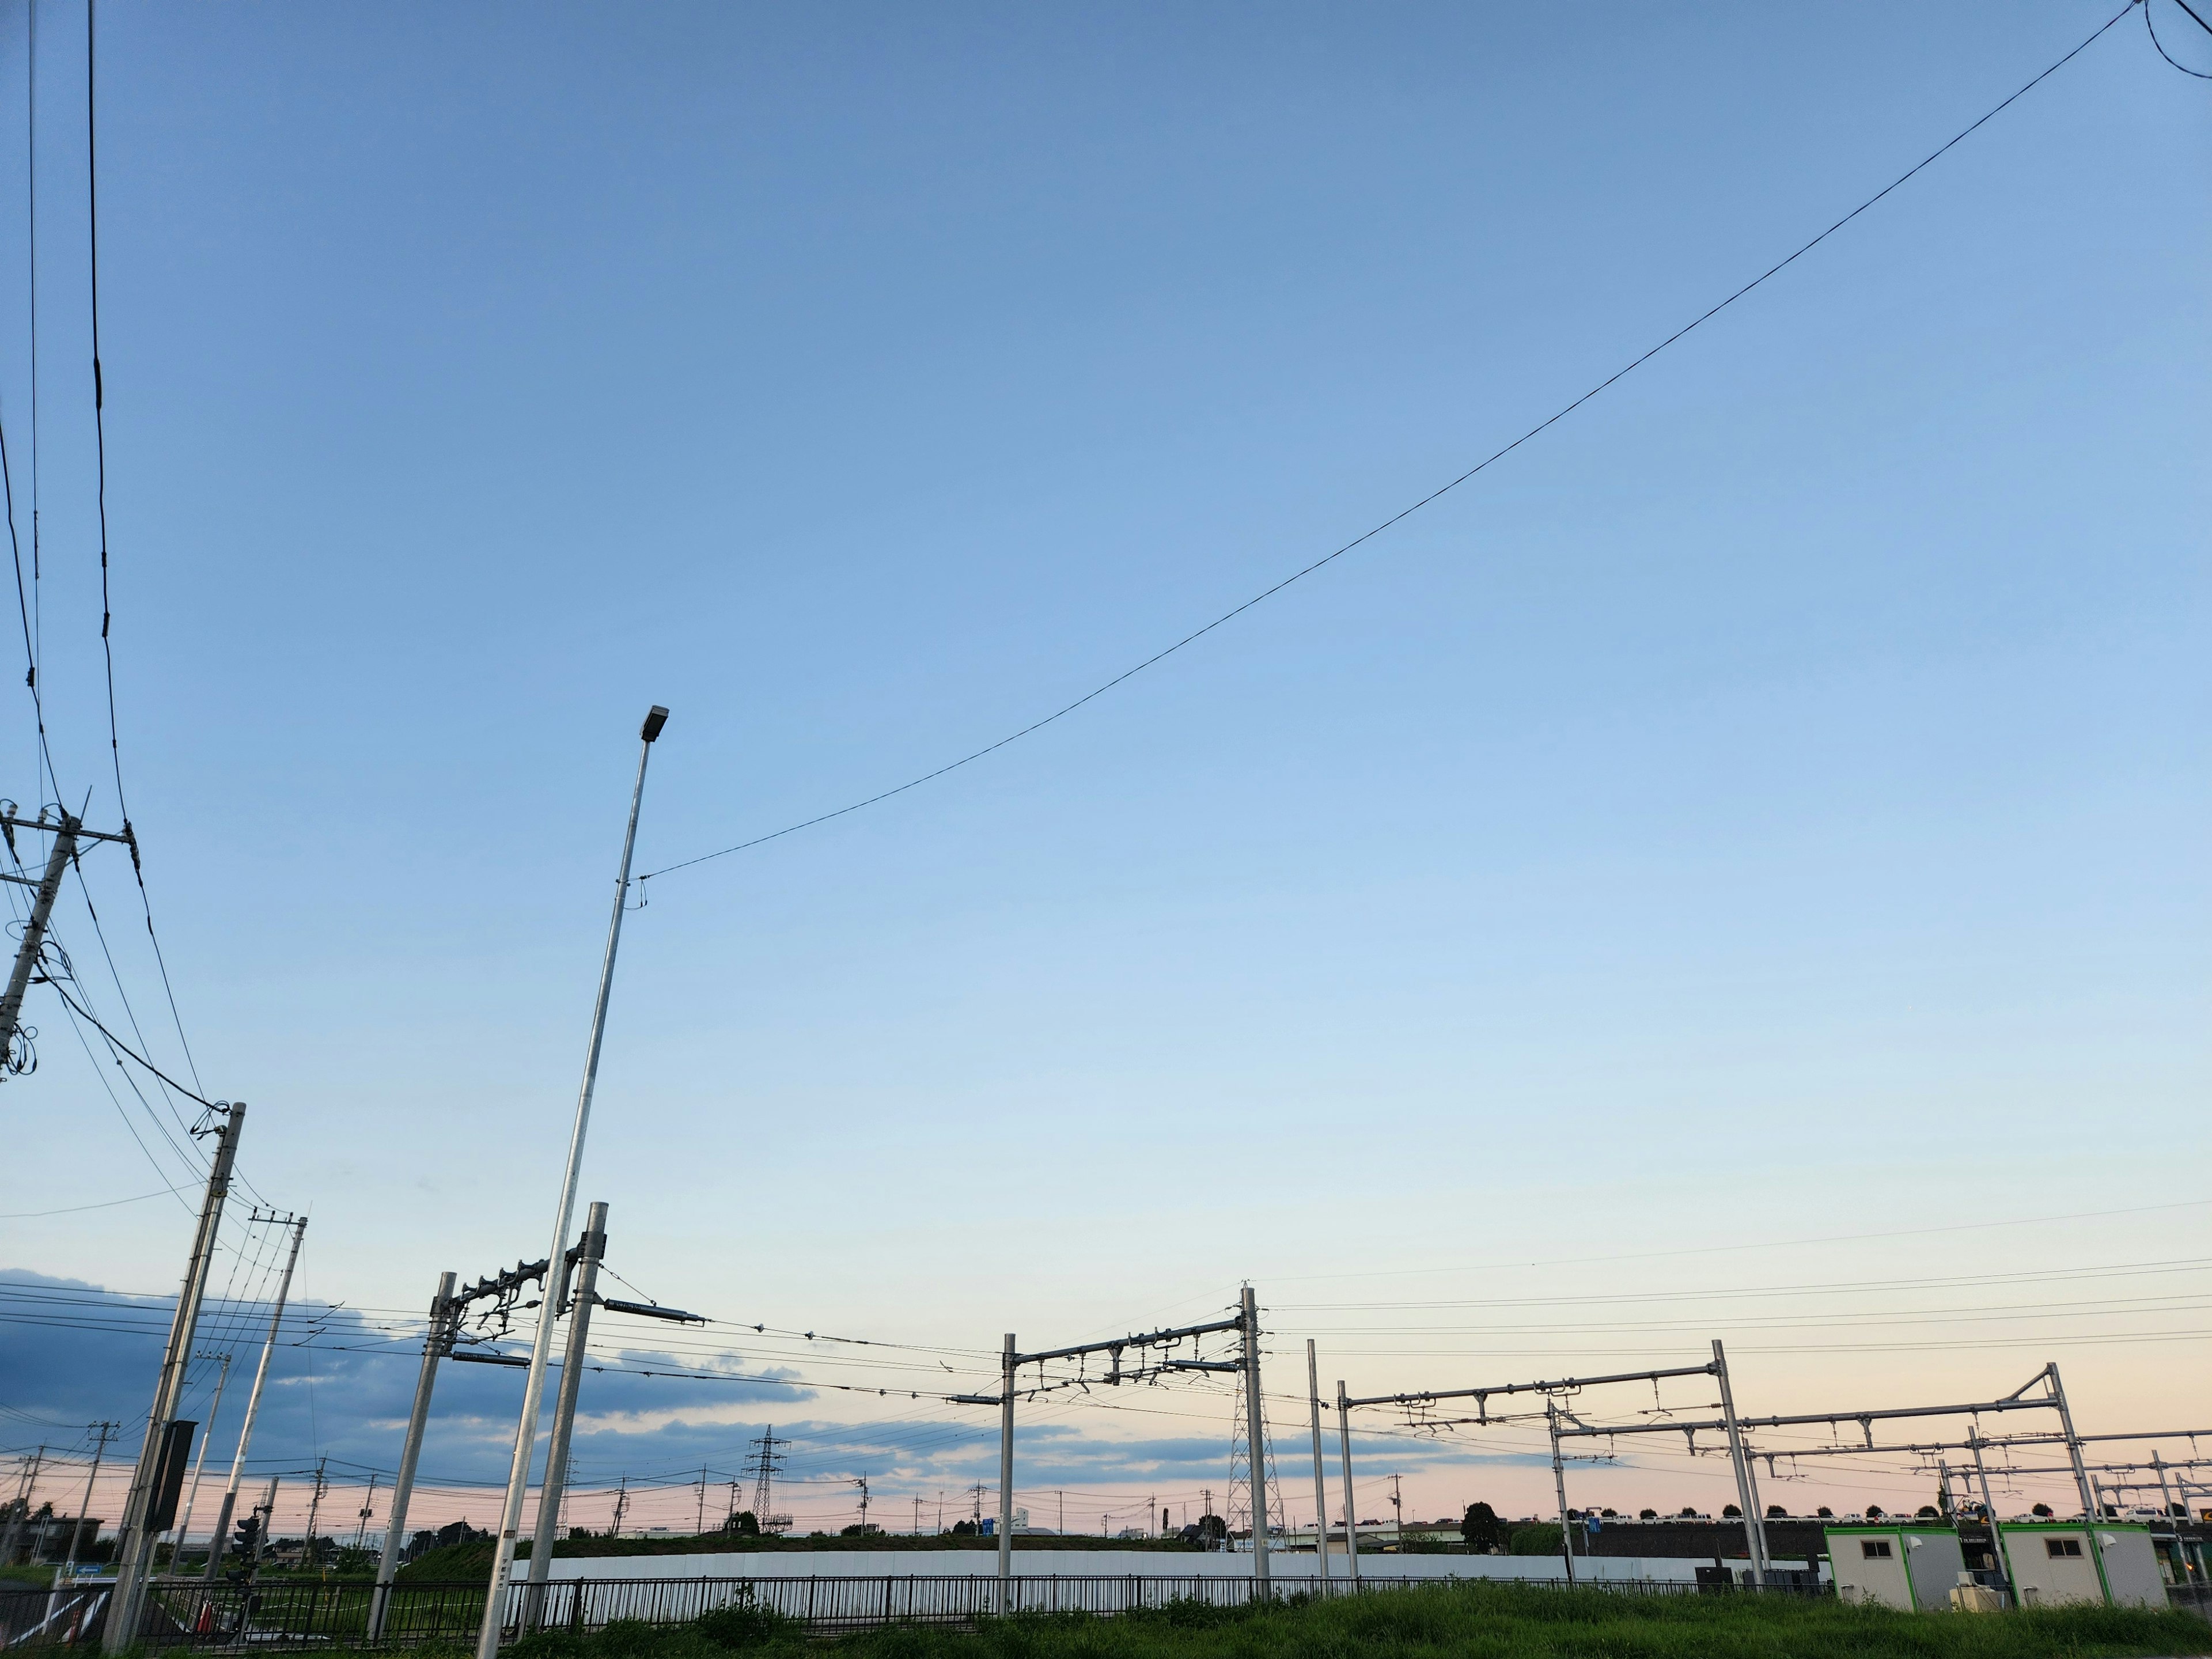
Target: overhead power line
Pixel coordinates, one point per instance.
(1435, 495)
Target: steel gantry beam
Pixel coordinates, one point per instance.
(1011, 1359)
(1556, 1421)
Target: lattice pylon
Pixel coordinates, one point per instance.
(1239, 1503)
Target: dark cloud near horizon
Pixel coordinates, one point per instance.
(340, 1387)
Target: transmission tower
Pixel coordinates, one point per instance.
(762, 1462)
(1239, 1504)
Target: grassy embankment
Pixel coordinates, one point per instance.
(1466, 1622)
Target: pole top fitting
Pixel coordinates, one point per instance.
(655, 718)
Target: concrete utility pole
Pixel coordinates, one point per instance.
(564, 1210)
(1006, 1477)
(15, 1053)
(435, 1342)
(25, 1488)
(199, 1465)
(314, 1509)
(1351, 1505)
(368, 1509)
(135, 1543)
(1747, 1479)
(591, 1251)
(1559, 1485)
(1255, 1434)
(299, 1224)
(107, 1432)
(1320, 1488)
(46, 889)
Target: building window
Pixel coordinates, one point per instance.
(2057, 1547)
(1877, 1549)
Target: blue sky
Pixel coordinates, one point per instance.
(1769, 806)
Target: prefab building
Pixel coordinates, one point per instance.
(1902, 1566)
(2055, 1562)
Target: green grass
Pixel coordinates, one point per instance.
(1466, 1622)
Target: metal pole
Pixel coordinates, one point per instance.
(1997, 1552)
(1320, 1489)
(253, 1403)
(1755, 1523)
(76, 1532)
(564, 1210)
(590, 1250)
(35, 933)
(2073, 1444)
(1006, 1477)
(2165, 1491)
(135, 1544)
(1344, 1461)
(1559, 1485)
(200, 1463)
(1255, 1429)
(435, 1341)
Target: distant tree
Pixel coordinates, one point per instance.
(1873, 1511)
(861, 1529)
(2041, 1512)
(744, 1523)
(1687, 1514)
(1610, 1514)
(965, 1528)
(1480, 1527)
(1212, 1529)
(1647, 1514)
(1730, 1512)
(1928, 1512)
(1824, 1513)
(1776, 1512)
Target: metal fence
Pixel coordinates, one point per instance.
(301, 1613)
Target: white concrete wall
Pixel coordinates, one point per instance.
(1071, 1564)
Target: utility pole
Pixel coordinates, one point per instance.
(25, 1488)
(1320, 1488)
(14, 1055)
(862, 1481)
(564, 1208)
(310, 1555)
(107, 1432)
(591, 1249)
(435, 1341)
(622, 1503)
(1006, 1477)
(368, 1509)
(199, 1464)
(135, 1543)
(1559, 1485)
(1351, 1505)
(1747, 1479)
(1256, 1436)
(699, 1526)
(299, 1225)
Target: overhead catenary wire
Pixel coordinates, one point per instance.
(1437, 494)
(2151, 27)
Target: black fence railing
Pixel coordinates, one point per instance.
(303, 1613)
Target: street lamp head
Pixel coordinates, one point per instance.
(655, 718)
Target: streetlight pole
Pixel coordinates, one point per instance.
(541, 1347)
